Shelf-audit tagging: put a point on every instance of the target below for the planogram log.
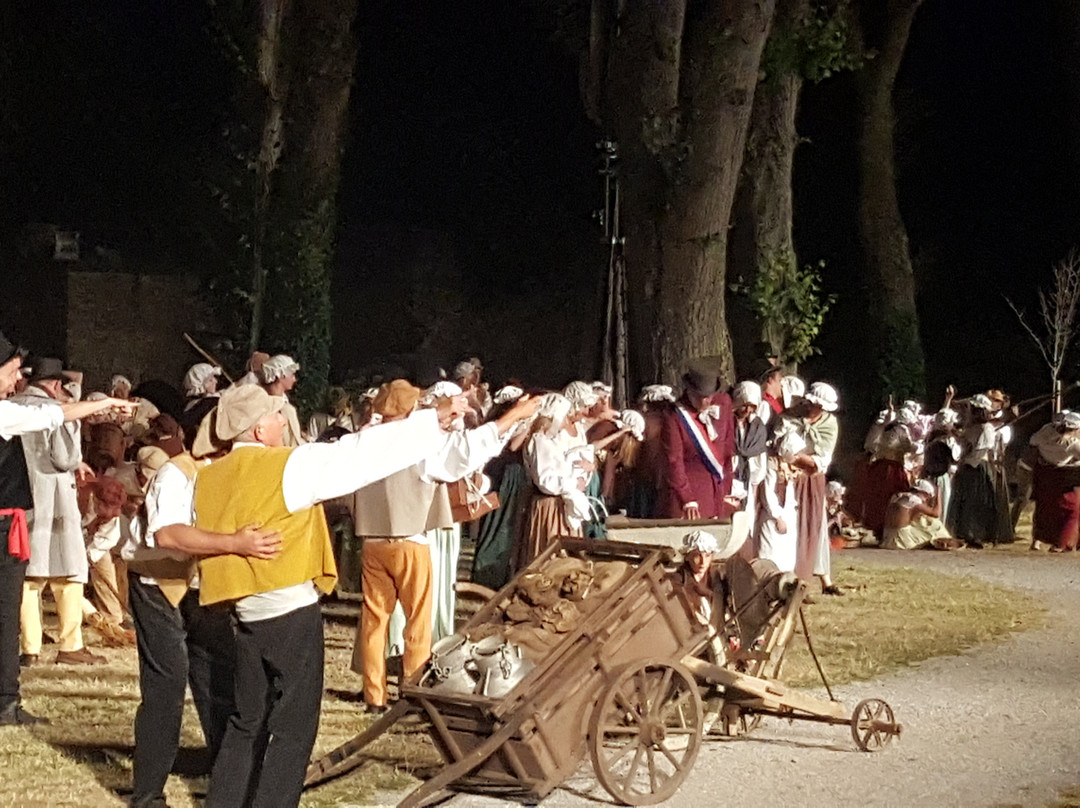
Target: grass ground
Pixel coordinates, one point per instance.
(84, 757)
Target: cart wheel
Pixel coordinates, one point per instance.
(873, 725)
(645, 732)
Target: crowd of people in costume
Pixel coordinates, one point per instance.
(195, 526)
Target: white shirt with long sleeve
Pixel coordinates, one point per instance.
(19, 419)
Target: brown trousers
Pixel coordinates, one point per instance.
(108, 579)
(392, 571)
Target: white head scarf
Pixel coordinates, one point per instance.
(196, 378)
(602, 388)
(1070, 419)
(981, 402)
(580, 395)
(117, 380)
(835, 489)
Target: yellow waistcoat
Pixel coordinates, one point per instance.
(244, 488)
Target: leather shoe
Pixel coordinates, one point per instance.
(14, 715)
(28, 660)
(81, 657)
(376, 709)
(832, 589)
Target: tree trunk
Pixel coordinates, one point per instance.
(676, 91)
(321, 51)
(273, 79)
(901, 367)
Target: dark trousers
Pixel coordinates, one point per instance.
(181, 645)
(12, 574)
(279, 682)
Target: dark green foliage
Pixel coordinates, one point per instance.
(298, 300)
(901, 369)
(815, 47)
(789, 304)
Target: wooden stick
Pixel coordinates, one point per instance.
(205, 355)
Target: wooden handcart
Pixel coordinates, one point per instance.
(627, 685)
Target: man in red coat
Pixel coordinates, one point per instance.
(699, 441)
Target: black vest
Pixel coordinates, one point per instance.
(14, 481)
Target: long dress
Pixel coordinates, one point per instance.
(777, 501)
(812, 554)
(1056, 488)
(498, 529)
(549, 462)
(978, 514)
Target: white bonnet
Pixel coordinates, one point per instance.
(1070, 419)
(602, 388)
(946, 417)
(824, 395)
(925, 486)
(580, 395)
(278, 367)
(441, 389)
(981, 401)
(197, 376)
(657, 392)
(119, 379)
(555, 406)
(791, 388)
(504, 395)
(635, 420)
(907, 417)
(700, 540)
(745, 393)
(835, 489)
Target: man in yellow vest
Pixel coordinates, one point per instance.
(279, 634)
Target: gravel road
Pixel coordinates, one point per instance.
(998, 725)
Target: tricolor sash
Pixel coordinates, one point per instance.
(704, 448)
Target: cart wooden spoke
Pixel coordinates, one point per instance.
(645, 731)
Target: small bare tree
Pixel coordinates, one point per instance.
(1057, 308)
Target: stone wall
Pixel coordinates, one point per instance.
(134, 325)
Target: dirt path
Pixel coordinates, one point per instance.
(998, 725)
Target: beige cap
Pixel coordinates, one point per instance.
(241, 407)
(152, 457)
(395, 399)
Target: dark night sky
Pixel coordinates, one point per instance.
(466, 121)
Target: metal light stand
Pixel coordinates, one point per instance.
(614, 357)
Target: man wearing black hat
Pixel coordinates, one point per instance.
(698, 439)
(57, 549)
(15, 501)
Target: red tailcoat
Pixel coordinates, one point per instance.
(687, 478)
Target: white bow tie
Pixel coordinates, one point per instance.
(707, 416)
